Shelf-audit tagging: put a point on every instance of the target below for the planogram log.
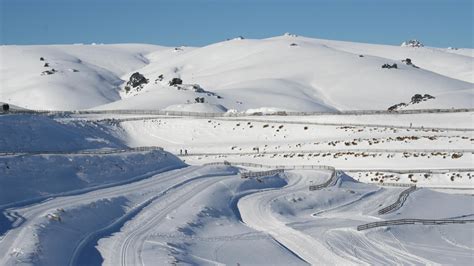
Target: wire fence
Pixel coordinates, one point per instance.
(412, 221)
(247, 118)
(330, 182)
(252, 174)
(347, 124)
(400, 201)
(362, 152)
(236, 114)
(335, 173)
(284, 167)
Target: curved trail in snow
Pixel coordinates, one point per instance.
(256, 212)
(134, 237)
(185, 187)
(33, 215)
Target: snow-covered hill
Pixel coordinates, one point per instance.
(84, 75)
(287, 72)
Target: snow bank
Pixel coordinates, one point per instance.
(41, 133)
(41, 176)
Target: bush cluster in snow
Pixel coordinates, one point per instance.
(389, 66)
(136, 81)
(417, 98)
(408, 62)
(175, 81)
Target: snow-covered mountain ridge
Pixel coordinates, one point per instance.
(288, 72)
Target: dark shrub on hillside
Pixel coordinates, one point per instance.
(49, 72)
(389, 66)
(396, 106)
(417, 98)
(175, 81)
(136, 79)
(199, 100)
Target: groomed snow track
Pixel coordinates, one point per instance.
(182, 180)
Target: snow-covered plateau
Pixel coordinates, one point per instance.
(281, 151)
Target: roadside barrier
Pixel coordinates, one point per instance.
(400, 201)
(363, 152)
(252, 174)
(237, 114)
(412, 221)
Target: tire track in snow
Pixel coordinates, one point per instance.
(256, 212)
(131, 246)
(93, 237)
(33, 214)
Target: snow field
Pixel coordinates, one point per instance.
(149, 207)
(311, 75)
(345, 147)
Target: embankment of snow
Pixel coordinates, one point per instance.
(41, 133)
(41, 176)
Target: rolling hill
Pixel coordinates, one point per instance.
(287, 72)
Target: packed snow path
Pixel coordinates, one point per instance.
(133, 240)
(256, 213)
(34, 215)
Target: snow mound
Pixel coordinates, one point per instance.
(53, 174)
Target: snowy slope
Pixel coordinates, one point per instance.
(314, 75)
(209, 215)
(38, 133)
(37, 174)
(286, 72)
(87, 75)
(140, 207)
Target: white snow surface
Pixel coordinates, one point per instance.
(314, 75)
(97, 189)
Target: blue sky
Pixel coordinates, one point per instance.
(439, 23)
